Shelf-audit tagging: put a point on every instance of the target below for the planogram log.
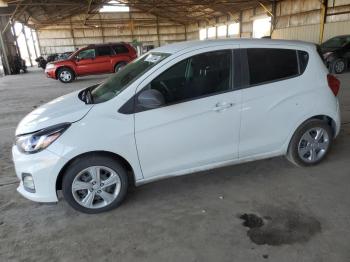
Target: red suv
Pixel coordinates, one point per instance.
(94, 59)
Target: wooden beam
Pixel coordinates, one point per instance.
(72, 33)
(26, 41)
(5, 55)
(31, 35)
(323, 16)
(240, 23)
(88, 10)
(158, 37)
(265, 8)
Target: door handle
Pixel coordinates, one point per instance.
(222, 106)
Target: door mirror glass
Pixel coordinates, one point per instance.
(150, 99)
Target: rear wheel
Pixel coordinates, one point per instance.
(338, 66)
(310, 143)
(65, 75)
(119, 66)
(95, 184)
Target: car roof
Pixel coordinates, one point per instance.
(106, 44)
(339, 36)
(180, 46)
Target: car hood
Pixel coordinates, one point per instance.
(68, 108)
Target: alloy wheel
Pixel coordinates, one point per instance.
(96, 187)
(313, 145)
(339, 66)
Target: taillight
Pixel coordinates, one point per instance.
(333, 83)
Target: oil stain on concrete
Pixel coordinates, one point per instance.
(279, 226)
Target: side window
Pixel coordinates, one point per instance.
(303, 60)
(266, 65)
(87, 53)
(198, 76)
(104, 51)
(120, 49)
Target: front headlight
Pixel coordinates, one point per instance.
(50, 66)
(37, 141)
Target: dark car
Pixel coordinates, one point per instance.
(336, 53)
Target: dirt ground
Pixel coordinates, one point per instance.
(302, 213)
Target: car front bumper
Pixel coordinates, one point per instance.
(44, 168)
(50, 73)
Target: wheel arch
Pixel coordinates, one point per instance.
(64, 66)
(329, 120)
(114, 156)
(120, 61)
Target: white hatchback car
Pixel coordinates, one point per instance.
(179, 109)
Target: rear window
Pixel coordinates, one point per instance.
(120, 49)
(267, 65)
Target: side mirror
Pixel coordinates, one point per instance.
(150, 99)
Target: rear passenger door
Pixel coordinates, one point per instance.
(272, 87)
(122, 53)
(103, 62)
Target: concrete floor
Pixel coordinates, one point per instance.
(189, 218)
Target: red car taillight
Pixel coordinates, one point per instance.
(333, 83)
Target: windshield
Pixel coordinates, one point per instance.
(120, 80)
(336, 42)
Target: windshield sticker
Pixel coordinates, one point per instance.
(153, 58)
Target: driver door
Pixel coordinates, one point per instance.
(199, 123)
(85, 61)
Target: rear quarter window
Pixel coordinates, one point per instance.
(120, 49)
(303, 57)
(268, 65)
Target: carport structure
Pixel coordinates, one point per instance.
(66, 25)
(189, 218)
(156, 23)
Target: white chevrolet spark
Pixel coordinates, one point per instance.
(179, 109)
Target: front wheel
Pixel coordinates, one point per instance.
(95, 184)
(310, 143)
(65, 75)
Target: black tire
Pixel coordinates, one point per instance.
(66, 71)
(79, 165)
(338, 66)
(293, 155)
(119, 66)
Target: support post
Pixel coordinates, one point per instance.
(4, 52)
(26, 41)
(227, 25)
(240, 23)
(158, 31)
(72, 33)
(16, 41)
(324, 4)
(273, 17)
(185, 32)
(102, 29)
(38, 41)
(131, 26)
(31, 35)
